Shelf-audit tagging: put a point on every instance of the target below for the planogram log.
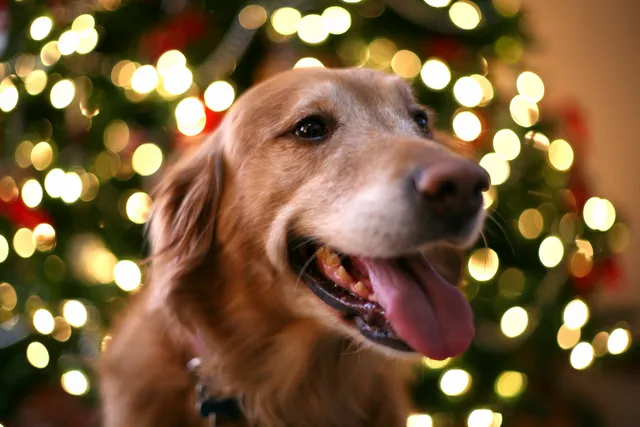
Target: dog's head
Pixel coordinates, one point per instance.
(336, 179)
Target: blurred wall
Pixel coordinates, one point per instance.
(588, 50)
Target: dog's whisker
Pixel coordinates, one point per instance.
(504, 232)
(306, 265)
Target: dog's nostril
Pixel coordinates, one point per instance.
(446, 188)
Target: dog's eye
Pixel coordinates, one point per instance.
(310, 128)
(422, 121)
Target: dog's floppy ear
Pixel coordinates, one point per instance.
(183, 219)
(448, 261)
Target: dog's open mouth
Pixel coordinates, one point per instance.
(402, 303)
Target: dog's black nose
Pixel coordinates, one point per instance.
(452, 188)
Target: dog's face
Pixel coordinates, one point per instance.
(337, 177)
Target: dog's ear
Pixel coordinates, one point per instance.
(448, 261)
(183, 219)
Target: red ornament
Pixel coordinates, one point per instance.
(22, 216)
(174, 34)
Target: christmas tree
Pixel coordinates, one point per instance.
(96, 95)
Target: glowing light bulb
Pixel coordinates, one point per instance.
(514, 322)
(88, 41)
(336, 20)
(83, 22)
(37, 355)
(435, 364)
(54, 182)
(467, 126)
(487, 88)
(560, 155)
(510, 384)
(467, 92)
(127, 275)
(530, 223)
(497, 167)
(190, 116)
(32, 193)
(406, 64)
(68, 42)
(619, 341)
(581, 356)
(599, 214)
(40, 27)
(23, 243)
(311, 29)
(75, 383)
(8, 95)
(483, 264)
(252, 17)
(62, 93)
(308, 62)
(435, 74)
(177, 80)
(41, 155)
(455, 382)
(576, 314)
(44, 236)
(61, 330)
(465, 14)
(506, 144)
(551, 251)
(419, 420)
(147, 159)
(138, 207)
(75, 313)
(144, 79)
(219, 96)
(480, 418)
(35, 82)
(524, 112)
(438, 3)
(286, 20)
(72, 189)
(43, 321)
(169, 61)
(567, 337)
(4, 248)
(530, 86)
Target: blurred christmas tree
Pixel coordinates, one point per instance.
(96, 94)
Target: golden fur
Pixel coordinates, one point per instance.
(219, 264)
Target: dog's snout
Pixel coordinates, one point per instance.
(453, 187)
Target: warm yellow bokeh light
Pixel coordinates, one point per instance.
(308, 62)
(581, 356)
(50, 54)
(190, 116)
(41, 155)
(62, 93)
(169, 61)
(311, 29)
(54, 182)
(576, 314)
(147, 159)
(530, 223)
(599, 343)
(455, 382)
(551, 251)
(31, 193)
(75, 382)
(419, 420)
(116, 135)
(252, 17)
(177, 80)
(465, 14)
(40, 27)
(127, 275)
(72, 189)
(560, 155)
(381, 51)
(483, 418)
(599, 214)
(510, 384)
(336, 20)
(75, 313)
(35, 82)
(435, 364)
(138, 207)
(497, 167)
(406, 64)
(483, 264)
(514, 322)
(4, 248)
(219, 96)
(23, 243)
(467, 126)
(285, 20)
(530, 86)
(44, 236)
(83, 22)
(435, 74)
(567, 337)
(144, 79)
(619, 341)
(467, 91)
(524, 112)
(43, 321)
(68, 42)
(8, 296)
(487, 88)
(506, 144)
(8, 95)
(507, 8)
(489, 197)
(37, 355)
(438, 3)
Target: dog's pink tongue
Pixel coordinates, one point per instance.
(428, 313)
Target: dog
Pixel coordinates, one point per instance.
(306, 253)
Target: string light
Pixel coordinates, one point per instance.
(8, 95)
(35, 82)
(68, 42)
(61, 330)
(41, 155)
(127, 275)
(43, 321)
(75, 313)
(147, 159)
(435, 364)
(220, 95)
(170, 61)
(8, 189)
(523, 112)
(530, 223)
(336, 20)
(88, 41)
(467, 126)
(482, 418)
(576, 314)
(306, 62)
(144, 79)
(23, 243)
(510, 384)
(551, 251)
(619, 341)
(509, 49)
(75, 382)
(435, 74)
(8, 296)
(599, 214)
(488, 197)
(560, 155)
(311, 29)
(138, 207)
(487, 88)
(72, 188)
(252, 17)
(62, 93)
(37, 355)
(116, 135)
(465, 14)
(467, 91)
(177, 80)
(44, 236)
(581, 356)
(497, 167)
(50, 54)
(483, 264)
(381, 52)
(438, 3)
(506, 144)
(190, 116)
(507, 8)
(567, 337)
(31, 193)
(23, 154)
(83, 22)
(514, 322)
(406, 64)
(455, 382)
(530, 86)
(54, 182)
(40, 27)
(599, 344)
(285, 20)
(419, 420)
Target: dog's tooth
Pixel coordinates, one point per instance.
(373, 298)
(360, 289)
(344, 275)
(332, 259)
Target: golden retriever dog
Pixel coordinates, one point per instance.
(307, 253)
